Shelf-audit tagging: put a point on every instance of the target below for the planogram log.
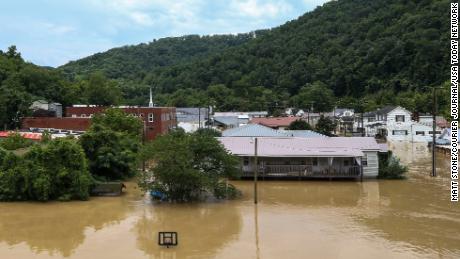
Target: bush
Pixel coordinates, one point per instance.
(390, 167)
(15, 141)
(56, 171)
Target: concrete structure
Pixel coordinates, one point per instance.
(338, 157)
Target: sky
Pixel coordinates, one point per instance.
(54, 32)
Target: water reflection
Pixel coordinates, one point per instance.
(58, 228)
(418, 210)
(294, 219)
(305, 193)
(202, 228)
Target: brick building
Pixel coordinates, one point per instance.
(157, 120)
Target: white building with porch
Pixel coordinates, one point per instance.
(339, 157)
(395, 123)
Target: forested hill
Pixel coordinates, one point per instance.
(134, 62)
(380, 51)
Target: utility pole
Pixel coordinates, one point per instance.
(256, 169)
(433, 146)
(199, 117)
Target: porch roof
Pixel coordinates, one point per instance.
(301, 147)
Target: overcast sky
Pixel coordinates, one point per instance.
(53, 32)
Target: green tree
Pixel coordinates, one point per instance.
(101, 91)
(189, 166)
(209, 131)
(119, 121)
(15, 141)
(325, 125)
(112, 144)
(56, 170)
(317, 94)
(299, 125)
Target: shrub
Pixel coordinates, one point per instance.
(57, 170)
(390, 167)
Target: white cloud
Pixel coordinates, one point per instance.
(141, 18)
(57, 28)
(257, 9)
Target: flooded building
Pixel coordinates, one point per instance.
(395, 123)
(157, 120)
(278, 157)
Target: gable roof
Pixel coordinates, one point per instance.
(385, 109)
(252, 130)
(275, 121)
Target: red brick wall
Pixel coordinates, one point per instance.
(79, 124)
(164, 119)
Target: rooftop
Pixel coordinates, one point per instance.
(275, 121)
(301, 147)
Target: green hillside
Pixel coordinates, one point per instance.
(350, 53)
(383, 50)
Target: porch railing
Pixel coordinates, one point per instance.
(304, 171)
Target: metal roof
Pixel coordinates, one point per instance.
(302, 133)
(252, 130)
(257, 130)
(227, 120)
(301, 147)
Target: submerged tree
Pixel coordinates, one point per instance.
(56, 170)
(189, 166)
(112, 144)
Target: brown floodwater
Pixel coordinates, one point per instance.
(412, 218)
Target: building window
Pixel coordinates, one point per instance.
(399, 132)
(400, 118)
(420, 133)
(246, 161)
(364, 160)
(370, 119)
(431, 132)
(83, 115)
(150, 117)
(315, 161)
(74, 116)
(141, 115)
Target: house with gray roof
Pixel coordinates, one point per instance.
(258, 130)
